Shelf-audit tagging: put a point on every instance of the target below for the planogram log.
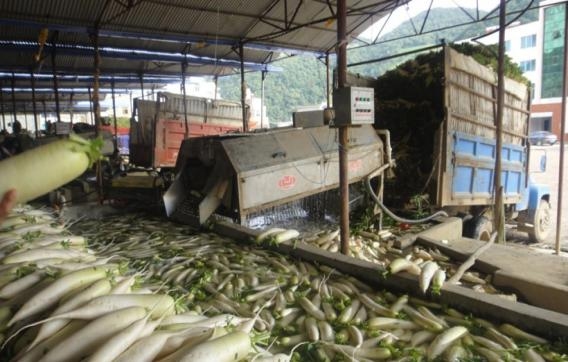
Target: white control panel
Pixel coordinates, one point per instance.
(354, 106)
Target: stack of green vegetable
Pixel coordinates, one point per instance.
(315, 311)
(409, 102)
(60, 302)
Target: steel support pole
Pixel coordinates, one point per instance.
(183, 70)
(96, 84)
(71, 109)
(142, 84)
(34, 109)
(44, 111)
(343, 130)
(499, 211)
(327, 81)
(97, 109)
(13, 83)
(114, 115)
(90, 105)
(55, 81)
(243, 87)
(25, 117)
(216, 79)
(2, 107)
(562, 133)
(262, 79)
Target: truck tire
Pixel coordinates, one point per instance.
(541, 229)
(480, 228)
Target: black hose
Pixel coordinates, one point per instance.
(390, 213)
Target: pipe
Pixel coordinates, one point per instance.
(243, 87)
(374, 196)
(343, 130)
(499, 210)
(562, 133)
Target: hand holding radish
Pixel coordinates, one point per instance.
(40, 170)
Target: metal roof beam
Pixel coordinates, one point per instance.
(89, 78)
(171, 38)
(64, 90)
(135, 54)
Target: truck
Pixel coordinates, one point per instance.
(158, 126)
(444, 140)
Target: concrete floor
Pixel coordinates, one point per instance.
(549, 175)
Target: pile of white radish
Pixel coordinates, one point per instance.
(60, 302)
(430, 266)
(315, 311)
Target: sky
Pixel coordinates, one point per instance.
(415, 7)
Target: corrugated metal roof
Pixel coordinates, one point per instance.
(202, 28)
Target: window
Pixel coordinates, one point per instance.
(553, 51)
(528, 41)
(507, 45)
(527, 65)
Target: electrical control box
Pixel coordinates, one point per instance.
(354, 106)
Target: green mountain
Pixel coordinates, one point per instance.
(302, 81)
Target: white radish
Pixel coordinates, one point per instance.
(286, 236)
(228, 348)
(267, 233)
(47, 329)
(34, 354)
(56, 164)
(374, 306)
(426, 275)
(355, 353)
(312, 330)
(119, 342)
(444, 340)
(46, 253)
(15, 287)
(148, 348)
(438, 280)
(311, 309)
(86, 340)
(515, 332)
(421, 337)
(390, 323)
(401, 264)
(348, 313)
(52, 294)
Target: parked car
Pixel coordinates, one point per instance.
(542, 138)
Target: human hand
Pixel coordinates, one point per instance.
(7, 203)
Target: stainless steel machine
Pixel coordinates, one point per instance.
(236, 175)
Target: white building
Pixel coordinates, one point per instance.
(538, 49)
